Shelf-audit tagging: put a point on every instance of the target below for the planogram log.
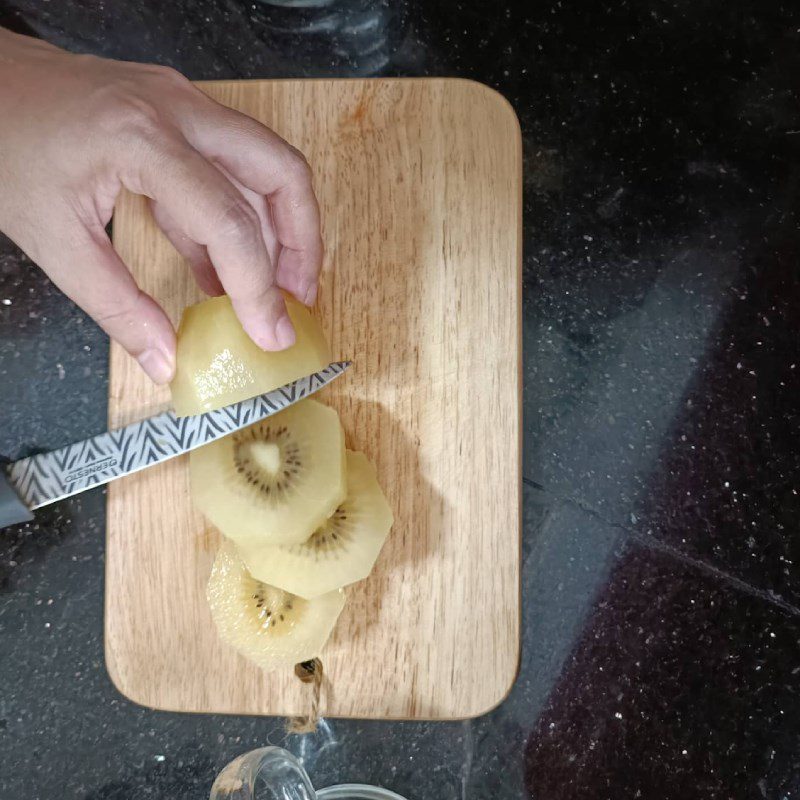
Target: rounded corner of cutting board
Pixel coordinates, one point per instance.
(118, 682)
(508, 684)
(503, 686)
(472, 89)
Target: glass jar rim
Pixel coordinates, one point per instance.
(356, 791)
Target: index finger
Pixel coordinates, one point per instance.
(267, 164)
(209, 209)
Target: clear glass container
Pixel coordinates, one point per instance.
(345, 38)
(275, 774)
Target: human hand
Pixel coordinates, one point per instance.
(233, 197)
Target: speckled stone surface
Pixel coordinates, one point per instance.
(662, 415)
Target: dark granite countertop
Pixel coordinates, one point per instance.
(662, 417)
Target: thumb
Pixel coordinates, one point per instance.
(90, 272)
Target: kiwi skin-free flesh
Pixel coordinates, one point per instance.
(275, 482)
(278, 482)
(218, 364)
(341, 551)
(267, 625)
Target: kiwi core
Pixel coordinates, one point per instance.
(267, 455)
(268, 459)
(273, 607)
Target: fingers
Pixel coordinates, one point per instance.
(260, 205)
(262, 161)
(210, 211)
(84, 265)
(195, 254)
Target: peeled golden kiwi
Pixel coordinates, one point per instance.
(218, 363)
(341, 551)
(271, 627)
(275, 482)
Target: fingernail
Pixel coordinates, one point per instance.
(310, 294)
(156, 364)
(284, 332)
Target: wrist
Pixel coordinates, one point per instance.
(15, 47)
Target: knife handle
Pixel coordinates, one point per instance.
(12, 509)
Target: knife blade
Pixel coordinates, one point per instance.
(46, 477)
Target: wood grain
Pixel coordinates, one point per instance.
(420, 187)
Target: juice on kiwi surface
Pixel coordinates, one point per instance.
(218, 363)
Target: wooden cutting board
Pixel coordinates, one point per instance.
(420, 188)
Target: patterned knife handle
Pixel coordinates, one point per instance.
(12, 509)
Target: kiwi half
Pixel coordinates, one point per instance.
(267, 625)
(341, 551)
(275, 482)
(218, 363)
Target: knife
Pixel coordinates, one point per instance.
(30, 483)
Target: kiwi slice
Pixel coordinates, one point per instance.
(218, 363)
(275, 482)
(341, 551)
(267, 625)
